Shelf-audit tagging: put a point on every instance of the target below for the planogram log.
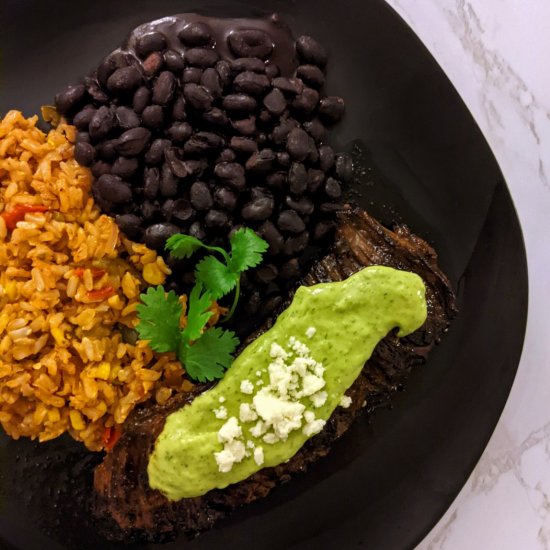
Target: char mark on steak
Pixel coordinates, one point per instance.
(128, 509)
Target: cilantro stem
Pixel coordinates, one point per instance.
(235, 301)
(220, 250)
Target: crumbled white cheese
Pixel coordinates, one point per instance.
(247, 387)
(278, 413)
(220, 413)
(259, 455)
(258, 373)
(221, 399)
(311, 384)
(345, 402)
(250, 444)
(309, 416)
(224, 460)
(319, 399)
(258, 429)
(277, 351)
(229, 431)
(312, 428)
(270, 438)
(310, 332)
(247, 413)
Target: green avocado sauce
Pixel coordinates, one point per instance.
(349, 317)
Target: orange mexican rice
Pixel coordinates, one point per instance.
(69, 285)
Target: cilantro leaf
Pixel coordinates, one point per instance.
(159, 319)
(216, 277)
(247, 249)
(210, 355)
(182, 246)
(197, 313)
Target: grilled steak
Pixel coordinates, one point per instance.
(128, 509)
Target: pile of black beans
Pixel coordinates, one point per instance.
(192, 143)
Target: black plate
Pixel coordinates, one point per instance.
(425, 162)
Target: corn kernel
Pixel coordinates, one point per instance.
(59, 336)
(153, 275)
(76, 420)
(102, 371)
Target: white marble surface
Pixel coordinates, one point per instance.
(496, 54)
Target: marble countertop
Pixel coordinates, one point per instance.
(495, 53)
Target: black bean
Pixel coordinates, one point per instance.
(315, 179)
(265, 117)
(290, 269)
(289, 85)
(330, 207)
(310, 51)
(203, 143)
(142, 98)
(232, 174)
(150, 210)
(84, 153)
(129, 224)
(100, 167)
(313, 155)
(266, 273)
(200, 196)
(250, 43)
(226, 198)
(311, 75)
(276, 181)
(153, 117)
(259, 192)
(326, 158)
(290, 222)
(178, 109)
(283, 158)
(168, 182)
(245, 126)
(303, 206)
(101, 124)
(192, 75)
(322, 229)
(175, 163)
(243, 145)
(242, 103)
(216, 218)
(125, 167)
(83, 137)
(150, 42)
(297, 178)
(259, 209)
(210, 79)
(151, 182)
(195, 167)
(123, 80)
(280, 132)
(133, 142)
(253, 303)
(152, 64)
(166, 209)
(113, 189)
(297, 144)
(106, 150)
(156, 235)
(247, 64)
(271, 234)
(164, 87)
(224, 70)
(251, 83)
(296, 244)
(196, 230)
(106, 67)
(275, 102)
(262, 161)
(332, 188)
(126, 118)
(344, 167)
(82, 119)
(316, 129)
(216, 117)
(195, 34)
(198, 96)
(179, 132)
(155, 153)
(227, 155)
(201, 57)
(174, 61)
(70, 99)
(94, 91)
(331, 108)
(307, 101)
(272, 70)
(182, 210)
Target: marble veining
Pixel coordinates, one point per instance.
(495, 52)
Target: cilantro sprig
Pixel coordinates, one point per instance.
(205, 352)
(221, 277)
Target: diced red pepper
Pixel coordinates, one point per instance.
(110, 437)
(17, 213)
(100, 294)
(96, 273)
